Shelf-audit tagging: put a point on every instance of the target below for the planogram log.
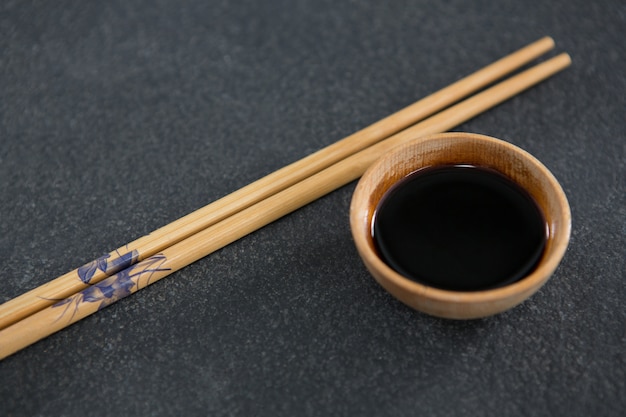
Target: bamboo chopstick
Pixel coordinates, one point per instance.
(146, 246)
(150, 270)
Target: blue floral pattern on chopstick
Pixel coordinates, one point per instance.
(106, 264)
(115, 287)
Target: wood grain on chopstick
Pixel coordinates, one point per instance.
(146, 246)
(171, 259)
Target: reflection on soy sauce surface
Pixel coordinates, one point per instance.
(459, 227)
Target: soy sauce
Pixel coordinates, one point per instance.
(459, 227)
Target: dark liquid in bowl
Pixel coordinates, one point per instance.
(460, 227)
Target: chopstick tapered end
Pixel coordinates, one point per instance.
(548, 41)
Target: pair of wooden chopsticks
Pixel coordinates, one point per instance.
(79, 293)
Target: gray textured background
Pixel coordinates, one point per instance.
(119, 117)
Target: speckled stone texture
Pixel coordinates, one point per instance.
(118, 117)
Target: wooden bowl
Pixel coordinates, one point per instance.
(461, 148)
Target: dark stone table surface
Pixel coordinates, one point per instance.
(119, 117)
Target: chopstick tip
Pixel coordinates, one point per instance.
(565, 59)
(548, 41)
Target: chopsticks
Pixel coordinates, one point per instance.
(146, 246)
(342, 163)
